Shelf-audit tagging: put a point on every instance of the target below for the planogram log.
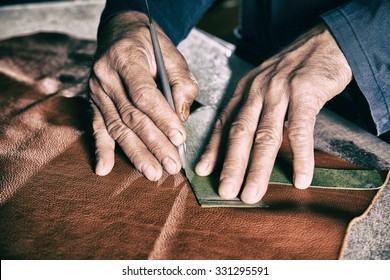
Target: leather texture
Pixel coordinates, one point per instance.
(53, 206)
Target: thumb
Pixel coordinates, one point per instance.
(184, 89)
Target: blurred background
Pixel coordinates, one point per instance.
(222, 10)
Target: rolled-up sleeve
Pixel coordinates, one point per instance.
(176, 18)
(362, 30)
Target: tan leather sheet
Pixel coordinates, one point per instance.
(65, 211)
(53, 206)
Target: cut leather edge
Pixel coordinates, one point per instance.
(237, 203)
(362, 216)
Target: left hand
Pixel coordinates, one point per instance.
(296, 82)
(128, 107)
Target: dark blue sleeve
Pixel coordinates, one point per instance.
(176, 17)
(362, 30)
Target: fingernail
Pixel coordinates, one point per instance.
(149, 171)
(176, 137)
(169, 165)
(251, 194)
(301, 181)
(226, 189)
(185, 112)
(202, 167)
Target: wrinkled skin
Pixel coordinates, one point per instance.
(129, 109)
(296, 83)
(127, 105)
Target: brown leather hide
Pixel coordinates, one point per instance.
(53, 206)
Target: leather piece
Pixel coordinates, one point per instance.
(329, 172)
(52, 205)
(65, 211)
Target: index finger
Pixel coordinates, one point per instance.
(144, 94)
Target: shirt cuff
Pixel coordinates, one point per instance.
(359, 48)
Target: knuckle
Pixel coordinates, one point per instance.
(255, 87)
(257, 82)
(296, 115)
(268, 137)
(300, 83)
(240, 130)
(116, 50)
(99, 68)
(300, 136)
(129, 115)
(269, 91)
(139, 124)
(166, 124)
(156, 146)
(256, 170)
(117, 130)
(231, 165)
(277, 82)
(122, 51)
(137, 55)
(136, 156)
(122, 61)
(190, 87)
(142, 97)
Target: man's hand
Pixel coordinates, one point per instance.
(128, 108)
(296, 82)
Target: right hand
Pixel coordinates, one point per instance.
(294, 83)
(127, 105)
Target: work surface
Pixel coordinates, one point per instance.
(53, 206)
